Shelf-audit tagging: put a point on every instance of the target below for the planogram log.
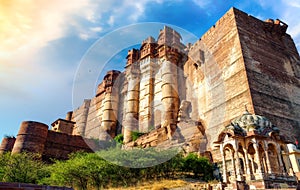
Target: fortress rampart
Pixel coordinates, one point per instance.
(241, 61)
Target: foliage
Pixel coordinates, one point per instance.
(200, 166)
(103, 169)
(135, 135)
(137, 158)
(119, 138)
(23, 168)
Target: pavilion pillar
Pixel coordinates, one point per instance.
(224, 164)
(248, 172)
(238, 165)
(252, 165)
(259, 172)
(268, 162)
(257, 158)
(279, 159)
(233, 163)
(269, 169)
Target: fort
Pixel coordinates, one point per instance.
(233, 96)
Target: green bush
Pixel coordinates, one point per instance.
(23, 168)
(135, 135)
(119, 138)
(102, 169)
(200, 166)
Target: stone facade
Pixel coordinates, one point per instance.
(193, 96)
(239, 61)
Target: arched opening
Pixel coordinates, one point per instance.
(274, 162)
(252, 163)
(241, 155)
(284, 158)
(262, 158)
(229, 160)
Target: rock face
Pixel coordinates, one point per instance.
(239, 61)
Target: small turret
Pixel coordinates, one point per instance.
(7, 144)
(132, 56)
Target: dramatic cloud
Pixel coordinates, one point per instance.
(290, 14)
(34, 76)
(27, 26)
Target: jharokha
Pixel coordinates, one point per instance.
(233, 96)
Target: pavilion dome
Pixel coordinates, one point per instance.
(252, 122)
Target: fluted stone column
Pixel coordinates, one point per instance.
(146, 93)
(170, 99)
(132, 107)
(109, 117)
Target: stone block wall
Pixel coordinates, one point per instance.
(240, 61)
(217, 73)
(60, 145)
(35, 137)
(273, 71)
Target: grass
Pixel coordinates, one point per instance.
(156, 185)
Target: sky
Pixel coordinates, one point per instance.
(43, 44)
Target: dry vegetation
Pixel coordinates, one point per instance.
(156, 185)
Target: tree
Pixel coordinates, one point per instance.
(23, 168)
(3, 161)
(200, 166)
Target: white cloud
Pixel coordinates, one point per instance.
(111, 20)
(202, 3)
(84, 36)
(96, 29)
(290, 14)
(293, 3)
(28, 26)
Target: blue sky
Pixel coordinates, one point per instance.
(43, 42)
